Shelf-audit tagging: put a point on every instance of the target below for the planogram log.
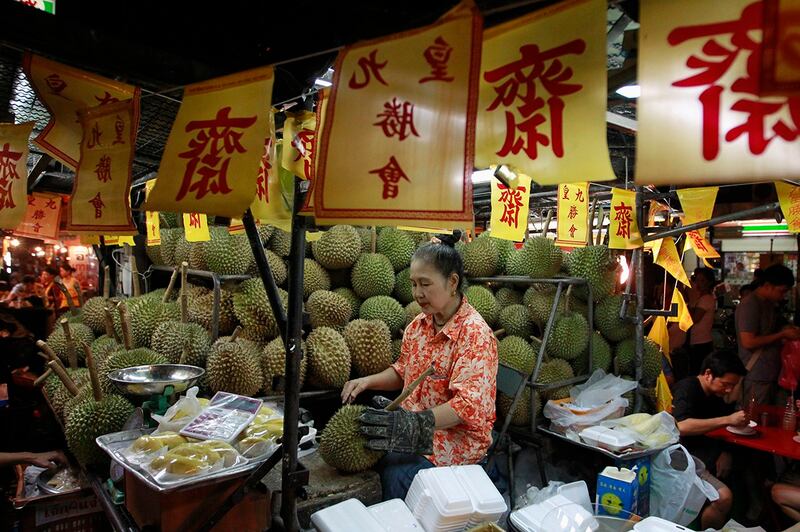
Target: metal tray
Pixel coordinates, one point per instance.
(633, 454)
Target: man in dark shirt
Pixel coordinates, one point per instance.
(699, 408)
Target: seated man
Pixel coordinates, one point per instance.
(699, 408)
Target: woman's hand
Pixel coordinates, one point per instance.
(47, 459)
(354, 387)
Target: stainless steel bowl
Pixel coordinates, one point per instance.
(46, 475)
(152, 380)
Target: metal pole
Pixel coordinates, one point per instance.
(713, 221)
(637, 403)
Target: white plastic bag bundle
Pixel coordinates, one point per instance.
(651, 431)
(182, 412)
(600, 389)
(677, 494)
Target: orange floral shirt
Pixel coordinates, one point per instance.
(464, 356)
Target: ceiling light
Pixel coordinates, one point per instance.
(630, 91)
(506, 176)
(482, 176)
(319, 82)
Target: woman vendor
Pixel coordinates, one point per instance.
(448, 419)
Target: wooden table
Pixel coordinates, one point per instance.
(770, 439)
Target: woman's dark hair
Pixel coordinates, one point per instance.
(708, 273)
(28, 279)
(67, 267)
(443, 256)
(723, 361)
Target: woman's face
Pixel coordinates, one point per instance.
(64, 273)
(433, 291)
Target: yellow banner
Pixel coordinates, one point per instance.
(702, 247)
(510, 209)
(789, 197)
(684, 317)
(398, 134)
(64, 91)
(573, 215)
(195, 226)
(313, 236)
(780, 70)
(100, 201)
(623, 229)
(152, 220)
(125, 239)
(110, 240)
(42, 217)
(299, 143)
(700, 90)
(543, 95)
(697, 204)
(216, 145)
(268, 204)
(13, 173)
(236, 227)
(660, 335)
(89, 239)
(667, 257)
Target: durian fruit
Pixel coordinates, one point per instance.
(197, 255)
(146, 314)
(342, 445)
(340, 278)
(168, 219)
(127, 358)
(516, 353)
(365, 233)
(397, 246)
(62, 394)
(522, 414)
(93, 314)
(481, 258)
(281, 242)
(104, 346)
(265, 233)
(597, 265)
(169, 241)
(397, 349)
(276, 266)
(608, 322)
(625, 359)
(601, 353)
(551, 372)
(154, 254)
(228, 254)
(403, 291)
(338, 247)
(370, 345)
(64, 347)
(569, 335)
(504, 249)
(386, 309)
(234, 366)
(352, 298)
(483, 301)
(328, 309)
(273, 365)
(507, 296)
(201, 304)
(372, 275)
(252, 309)
(314, 278)
(329, 358)
(539, 258)
(412, 310)
(515, 321)
(182, 250)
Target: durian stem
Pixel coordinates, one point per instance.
(137, 289)
(62, 374)
(111, 332)
(126, 325)
(499, 332)
(72, 355)
(96, 390)
(41, 344)
(394, 405)
(184, 354)
(546, 224)
(374, 242)
(566, 300)
(106, 282)
(591, 221)
(170, 286)
(43, 377)
(45, 357)
(600, 218)
(235, 333)
(68, 297)
(184, 295)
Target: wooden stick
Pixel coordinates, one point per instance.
(499, 332)
(106, 282)
(591, 221)
(111, 332)
(171, 286)
(62, 374)
(72, 356)
(43, 377)
(126, 325)
(374, 243)
(546, 224)
(184, 295)
(96, 390)
(600, 219)
(235, 333)
(394, 405)
(41, 344)
(70, 302)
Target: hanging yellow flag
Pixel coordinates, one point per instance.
(152, 219)
(64, 91)
(299, 143)
(42, 217)
(268, 205)
(543, 94)
(789, 197)
(323, 97)
(195, 226)
(125, 239)
(13, 173)
(100, 201)
(684, 317)
(213, 153)
(573, 215)
(698, 72)
(702, 247)
(236, 227)
(398, 134)
(110, 240)
(660, 335)
(510, 209)
(697, 204)
(623, 229)
(668, 258)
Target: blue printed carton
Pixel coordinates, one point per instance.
(617, 492)
(642, 467)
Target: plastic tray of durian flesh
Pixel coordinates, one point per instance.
(166, 460)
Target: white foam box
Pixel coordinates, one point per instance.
(606, 438)
(346, 516)
(445, 504)
(395, 516)
(487, 502)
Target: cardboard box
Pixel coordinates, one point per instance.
(617, 492)
(642, 468)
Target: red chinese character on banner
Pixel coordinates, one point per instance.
(391, 174)
(214, 139)
(623, 216)
(369, 67)
(8, 174)
(397, 119)
(98, 205)
(263, 172)
(103, 169)
(437, 55)
(512, 201)
(573, 212)
(698, 240)
(106, 98)
(546, 67)
(194, 219)
(566, 193)
(51, 204)
(55, 84)
(38, 214)
(572, 230)
(119, 129)
(37, 227)
(94, 136)
(762, 123)
(304, 143)
(579, 196)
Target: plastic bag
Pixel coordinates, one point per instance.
(178, 415)
(677, 494)
(650, 431)
(599, 389)
(566, 417)
(790, 365)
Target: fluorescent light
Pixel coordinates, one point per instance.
(482, 176)
(319, 82)
(630, 91)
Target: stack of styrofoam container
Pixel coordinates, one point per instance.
(346, 516)
(446, 499)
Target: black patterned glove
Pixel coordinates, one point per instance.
(400, 431)
(380, 402)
